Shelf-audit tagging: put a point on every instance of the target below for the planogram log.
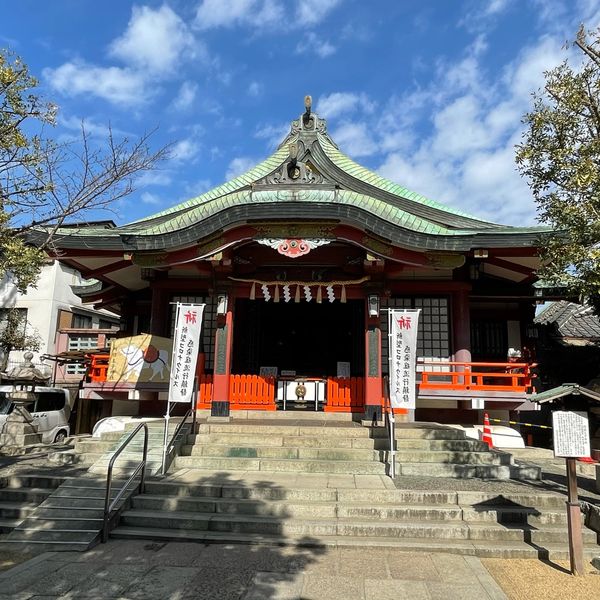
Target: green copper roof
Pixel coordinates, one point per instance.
(338, 188)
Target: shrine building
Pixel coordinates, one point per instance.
(297, 261)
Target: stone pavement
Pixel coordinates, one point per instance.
(138, 570)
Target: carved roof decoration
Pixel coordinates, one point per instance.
(307, 177)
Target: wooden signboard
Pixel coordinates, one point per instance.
(571, 434)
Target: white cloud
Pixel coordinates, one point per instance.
(274, 134)
(467, 159)
(343, 103)
(355, 139)
(227, 13)
(312, 43)
(255, 89)
(185, 150)
(92, 128)
(153, 178)
(155, 40)
(114, 84)
(311, 12)
(238, 166)
(186, 95)
(151, 199)
(261, 14)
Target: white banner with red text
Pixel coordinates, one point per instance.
(186, 345)
(403, 328)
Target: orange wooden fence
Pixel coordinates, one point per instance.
(205, 387)
(345, 394)
(471, 376)
(252, 392)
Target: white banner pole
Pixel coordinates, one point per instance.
(168, 413)
(389, 395)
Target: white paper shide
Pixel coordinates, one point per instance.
(188, 327)
(403, 328)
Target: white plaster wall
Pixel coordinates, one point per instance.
(52, 293)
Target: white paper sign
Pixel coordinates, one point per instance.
(185, 351)
(571, 434)
(403, 328)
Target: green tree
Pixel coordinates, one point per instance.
(45, 184)
(560, 157)
(15, 334)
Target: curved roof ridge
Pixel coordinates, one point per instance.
(237, 183)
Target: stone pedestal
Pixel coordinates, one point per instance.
(19, 429)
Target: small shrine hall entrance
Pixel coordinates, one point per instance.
(306, 339)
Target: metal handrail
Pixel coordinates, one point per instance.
(109, 506)
(169, 444)
(390, 421)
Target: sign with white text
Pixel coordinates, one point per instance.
(403, 328)
(571, 432)
(188, 326)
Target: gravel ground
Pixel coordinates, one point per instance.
(522, 579)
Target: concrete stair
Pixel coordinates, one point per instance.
(475, 523)
(305, 445)
(70, 517)
(20, 495)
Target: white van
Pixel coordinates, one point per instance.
(50, 409)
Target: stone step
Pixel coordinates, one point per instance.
(548, 534)
(31, 481)
(455, 458)
(33, 545)
(458, 471)
(514, 515)
(483, 549)
(24, 494)
(280, 452)
(294, 441)
(284, 430)
(296, 509)
(230, 490)
(8, 524)
(75, 511)
(85, 523)
(70, 457)
(275, 525)
(467, 445)
(527, 499)
(16, 510)
(275, 465)
(420, 433)
(29, 534)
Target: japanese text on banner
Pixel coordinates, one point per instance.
(403, 328)
(185, 351)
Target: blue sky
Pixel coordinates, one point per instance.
(428, 93)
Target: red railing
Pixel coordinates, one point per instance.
(205, 389)
(252, 392)
(478, 376)
(98, 367)
(345, 394)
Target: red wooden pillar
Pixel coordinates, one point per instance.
(222, 366)
(461, 325)
(373, 380)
